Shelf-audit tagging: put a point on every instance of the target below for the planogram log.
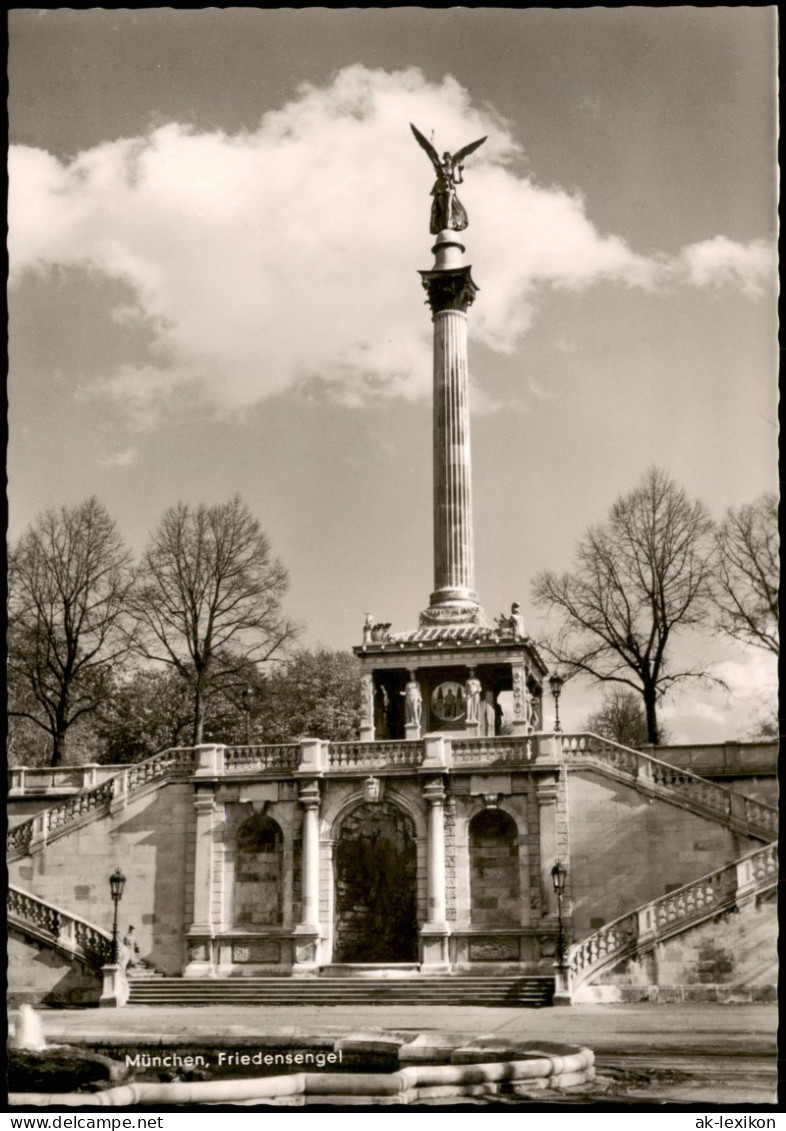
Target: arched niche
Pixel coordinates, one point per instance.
(258, 880)
(495, 896)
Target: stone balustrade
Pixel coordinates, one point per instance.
(254, 759)
(494, 751)
(385, 754)
(640, 930)
(69, 932)
(650, 773)
(30, 780)
(312, 756)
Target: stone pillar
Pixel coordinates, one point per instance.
(521, 722)
(451, 290)
(434, 932)
(547, 822)
(307, 932)
(201, 932)
(114, 988)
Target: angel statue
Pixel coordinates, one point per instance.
(447, 211)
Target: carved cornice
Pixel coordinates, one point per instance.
(452, 289)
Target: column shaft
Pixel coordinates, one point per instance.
(436, 862)
(454, 552)
(309, 914)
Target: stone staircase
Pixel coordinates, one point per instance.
(646, 774)
(641, 930)
(515, 991)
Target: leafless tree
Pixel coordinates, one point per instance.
(208, 599)
(638, 578)
(746, 574)
(68, 585)
(621, 718)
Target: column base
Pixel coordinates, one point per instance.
(200, 957)
(114, 992)
(434, 948)
(306, 940)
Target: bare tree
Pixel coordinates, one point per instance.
(621, 718)
(638, 577)
(208, 599)
(68, 586)
(746, 574)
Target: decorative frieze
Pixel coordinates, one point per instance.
(495, 949)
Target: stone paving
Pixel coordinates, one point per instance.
(716, 1055)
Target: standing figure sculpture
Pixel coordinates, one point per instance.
(447, 211)
(472, 691)
(413, 701)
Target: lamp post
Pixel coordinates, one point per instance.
(555, 683)
(247, 698)
(559, 874)
(117, 882)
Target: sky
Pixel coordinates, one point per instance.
(216, 220)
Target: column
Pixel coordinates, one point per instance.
(201, 933)
(307, 933)
(451, 290)
(434, 932)
(547, 839)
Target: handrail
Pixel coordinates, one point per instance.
(129, 781)
(645, 772)
(653, 922)
(282, 756)
(651, 773)
(65, 930)
(374, 755)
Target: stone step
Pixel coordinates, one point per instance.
(535, 990)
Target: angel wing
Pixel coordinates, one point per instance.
(465, 152)
(424, 143)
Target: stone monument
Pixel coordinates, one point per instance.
(455, 657)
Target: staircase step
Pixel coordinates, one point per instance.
(515, 991)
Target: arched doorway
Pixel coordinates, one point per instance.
(375, 862)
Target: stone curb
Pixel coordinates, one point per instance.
(407, 1085)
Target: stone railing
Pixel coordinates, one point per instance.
(386, 754)
(637, 932)
(248, 759)
(734, 808)
(31, 780)
(494, 751)
(60, 928)
(93, 802)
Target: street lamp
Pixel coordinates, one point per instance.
(555, 683)
(247, 697)
(559, 874)
(117, 882)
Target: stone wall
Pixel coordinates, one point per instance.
(37, 973)
(495, 899)
(152, 842)
(628, 849)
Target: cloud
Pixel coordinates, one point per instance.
(720, 262)
(286, 256)
(120, 459)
